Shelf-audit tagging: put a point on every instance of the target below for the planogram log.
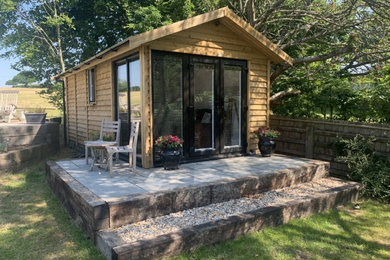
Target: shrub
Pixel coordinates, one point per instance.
(365, 165)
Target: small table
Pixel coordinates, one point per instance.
(98, 149)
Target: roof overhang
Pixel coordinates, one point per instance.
(224, 15)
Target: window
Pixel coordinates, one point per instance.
(128, 100)
(91, 85)
(167, 95)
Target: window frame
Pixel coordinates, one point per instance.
(93, 70)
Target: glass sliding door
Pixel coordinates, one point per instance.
(203, 96)
(127, 74)
(233, 112)
(232, 106)
(202, 100)
(204, 111)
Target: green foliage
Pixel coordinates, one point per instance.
(22, 78)
(328, 95)
(53, 92)
(365, 166)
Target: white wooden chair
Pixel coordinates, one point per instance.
(131, 148)
(8, 103)
(107, 127)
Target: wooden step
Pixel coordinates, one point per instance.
(294, 202)
(84, 193)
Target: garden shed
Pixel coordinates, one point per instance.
(205, 79)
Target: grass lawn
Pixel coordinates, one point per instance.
(34, 225)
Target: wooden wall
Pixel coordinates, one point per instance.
(215, 39)
(85, 118)
(313, 138)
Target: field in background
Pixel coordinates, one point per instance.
(29, 98)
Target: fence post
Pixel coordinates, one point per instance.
(309, 142)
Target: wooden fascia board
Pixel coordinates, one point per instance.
(93, 63)
(137, 40)
(233, 21)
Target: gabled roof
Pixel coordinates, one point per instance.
(224, 15)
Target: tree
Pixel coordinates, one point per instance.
(34, 32)
(22, 78)
(352, 33)
(49, 36)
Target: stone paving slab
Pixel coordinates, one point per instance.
(124, 182)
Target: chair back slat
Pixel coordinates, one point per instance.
(134, 129)
(110, 127)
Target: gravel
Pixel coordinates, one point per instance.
(191, 217)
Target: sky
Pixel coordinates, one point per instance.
(6, 72)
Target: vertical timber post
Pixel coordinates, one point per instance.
(146, 104)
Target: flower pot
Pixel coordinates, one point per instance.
(35, 118)
(267, 146)
(171, 158)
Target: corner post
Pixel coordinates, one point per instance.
(146, 105)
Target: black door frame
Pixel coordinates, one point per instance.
(188, 108)
(190, 127)
(244, 106)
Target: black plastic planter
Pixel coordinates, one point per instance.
(171, 158)
(267, 146)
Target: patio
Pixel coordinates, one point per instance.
(96, 201)
(125, 183)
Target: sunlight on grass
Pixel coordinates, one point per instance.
(343, 234)
(34, 225)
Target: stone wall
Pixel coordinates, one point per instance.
(27, 143)
(314, 138)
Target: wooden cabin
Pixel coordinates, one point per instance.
(205, 79)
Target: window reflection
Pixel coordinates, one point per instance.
(232, 105)
(167, 95)
(129, 97)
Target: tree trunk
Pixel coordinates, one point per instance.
(58, 31)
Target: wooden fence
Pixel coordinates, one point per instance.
(314, 138)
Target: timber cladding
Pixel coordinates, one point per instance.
(84, 118)
(314, 138)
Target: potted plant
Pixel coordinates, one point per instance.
(171, 148)
(266, 142)
(35, 116)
